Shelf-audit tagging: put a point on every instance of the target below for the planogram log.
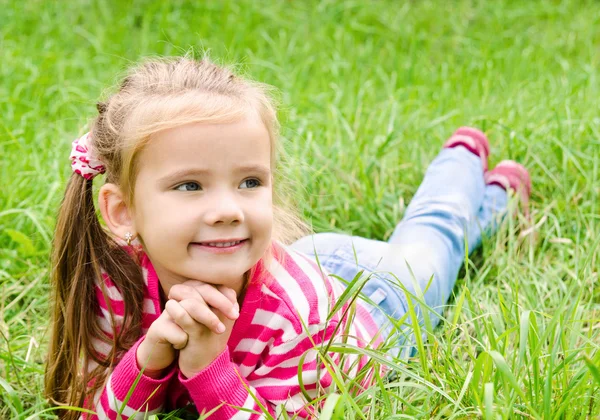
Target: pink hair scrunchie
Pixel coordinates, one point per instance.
(83, 160)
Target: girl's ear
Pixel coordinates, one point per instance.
(115, 212)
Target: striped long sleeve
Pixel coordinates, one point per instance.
(148, 395)
(286, 323)
(283, 329)
(223, 386)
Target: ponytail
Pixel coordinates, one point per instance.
(81, 250)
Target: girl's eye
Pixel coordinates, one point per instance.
(189, 186)
(250, 183)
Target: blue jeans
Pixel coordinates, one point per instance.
(452, 209)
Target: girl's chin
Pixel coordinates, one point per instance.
(222, 278)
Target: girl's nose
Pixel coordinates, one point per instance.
(224, 210)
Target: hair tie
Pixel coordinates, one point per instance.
(83, 160)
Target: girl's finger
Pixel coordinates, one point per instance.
(212, 295)
(196, 312)
(229, 293)
(166, 331)
(180, 316)
(222, 298)
(181, 291)
(174, 334)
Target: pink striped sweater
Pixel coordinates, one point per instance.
(259, 367)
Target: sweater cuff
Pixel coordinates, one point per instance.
(126, 373)
(219, 382)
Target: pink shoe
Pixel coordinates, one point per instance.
(474, 141)
(510, 174)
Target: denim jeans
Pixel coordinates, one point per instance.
(452, 209)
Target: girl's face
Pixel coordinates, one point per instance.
(203, 201)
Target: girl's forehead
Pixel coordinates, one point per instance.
(204, 146)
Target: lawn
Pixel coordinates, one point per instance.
(369, 91)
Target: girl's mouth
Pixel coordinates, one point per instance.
(221, 246)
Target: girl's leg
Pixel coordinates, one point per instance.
(424, 247)
(346, 255)
(430, 239)
(491, 213)
(413, 263)
(506, 175)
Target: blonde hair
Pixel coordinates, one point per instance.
(157, 94)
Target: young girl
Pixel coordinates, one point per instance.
(188, 295)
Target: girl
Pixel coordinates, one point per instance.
(188, 294)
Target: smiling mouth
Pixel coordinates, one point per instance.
(221, 244)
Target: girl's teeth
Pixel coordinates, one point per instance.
(223, 244)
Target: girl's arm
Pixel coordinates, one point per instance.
(149, 393)
(221, 385)
(222, 388)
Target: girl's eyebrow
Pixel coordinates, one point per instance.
(182, 173)
(261, 170)
(258, 169)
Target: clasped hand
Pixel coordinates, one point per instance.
(197, 321)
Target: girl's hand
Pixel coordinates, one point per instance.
(157, 351)
(208, 297)
(194, 316)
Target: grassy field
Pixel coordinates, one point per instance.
(369, 92)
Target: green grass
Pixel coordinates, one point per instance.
(369, 92)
